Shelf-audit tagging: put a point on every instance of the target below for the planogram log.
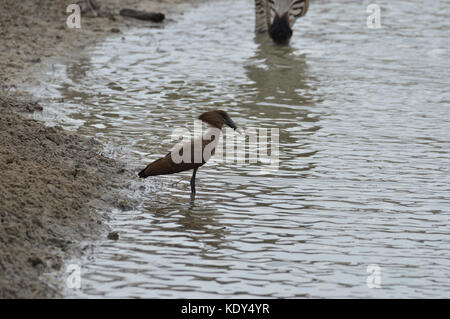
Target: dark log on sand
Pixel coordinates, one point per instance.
(142, 15)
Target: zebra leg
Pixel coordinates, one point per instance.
(261, 22)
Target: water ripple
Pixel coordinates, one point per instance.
(364, 148)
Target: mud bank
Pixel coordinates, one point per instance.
(52, 182)
(49, 178)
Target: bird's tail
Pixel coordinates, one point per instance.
(158, 167)
(143, 174)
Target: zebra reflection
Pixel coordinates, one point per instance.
(281, 75)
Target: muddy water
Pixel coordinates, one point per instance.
(364, 129)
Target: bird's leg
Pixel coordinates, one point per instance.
(193, 181)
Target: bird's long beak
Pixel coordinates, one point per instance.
(239, 130)
(230, 123)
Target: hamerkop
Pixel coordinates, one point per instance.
(194, 153)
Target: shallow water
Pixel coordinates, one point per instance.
(364, 130)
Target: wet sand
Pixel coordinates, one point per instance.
(48, 180)
(53, 182)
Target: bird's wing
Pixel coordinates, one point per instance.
(175, 162)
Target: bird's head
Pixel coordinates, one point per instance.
(217, 119)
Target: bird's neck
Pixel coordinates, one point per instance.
(212, 134)
(212, 130)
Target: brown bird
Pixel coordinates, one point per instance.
(194, 153)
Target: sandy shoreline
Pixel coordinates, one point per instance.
(31, 31)
(48, 180)
(52, 181)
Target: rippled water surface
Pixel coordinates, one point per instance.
(364, 138)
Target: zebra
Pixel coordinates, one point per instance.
(277, 17)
